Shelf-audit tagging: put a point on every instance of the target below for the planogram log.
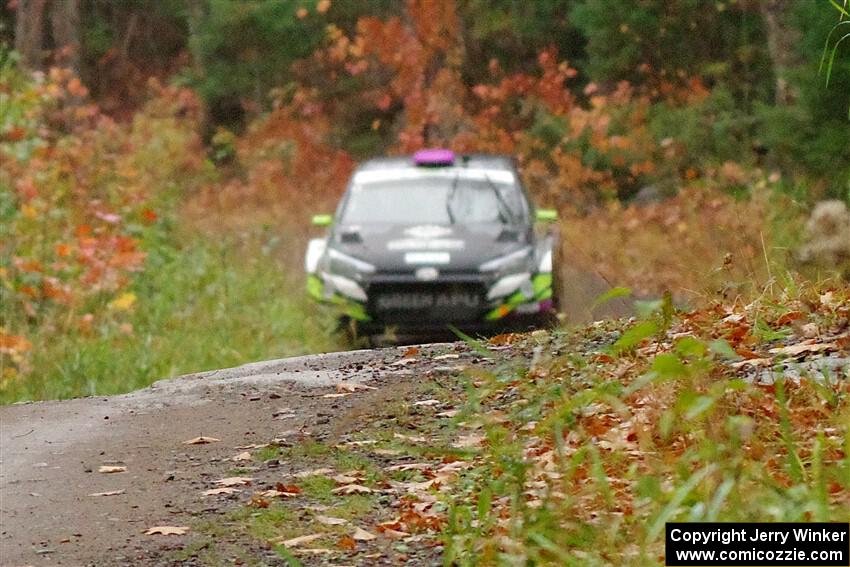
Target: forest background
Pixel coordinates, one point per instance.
(159, 159)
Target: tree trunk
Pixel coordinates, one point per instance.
(41, 26)
(782, 39)
(65, 25)
(196, 11)
(29, 32)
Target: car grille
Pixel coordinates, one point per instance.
(425, 303)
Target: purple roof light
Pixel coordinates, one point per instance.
(435, 156)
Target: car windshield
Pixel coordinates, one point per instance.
(434, 196)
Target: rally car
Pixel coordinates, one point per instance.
(432, 241)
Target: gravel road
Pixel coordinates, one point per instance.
(51, 452)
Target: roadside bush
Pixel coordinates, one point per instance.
(700, 134)
(700, 245)
(104, 286)
(81, 195)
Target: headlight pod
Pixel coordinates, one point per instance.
(545, 264)
(509, 284)
(343, 286)
(508, 263)
(315, 249)
(340, 263)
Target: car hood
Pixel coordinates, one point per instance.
(452, 248)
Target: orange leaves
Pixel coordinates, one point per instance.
(63, 250)
(85, 195)
(13, 344)
(76, 88)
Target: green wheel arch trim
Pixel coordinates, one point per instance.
(351, 308)
(542, 283)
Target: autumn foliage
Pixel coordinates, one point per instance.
(82, 193)
(87, 199)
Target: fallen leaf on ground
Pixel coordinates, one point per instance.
(329, 396)
(352, 489)
(810, 330)
(505, 339)
(281, 490)
(201, 440)
(409, 467)
(354, 472)
(389, 525)
(411, 351)
(387, 452)
(288, 488)
(257, 501)
(404, 362)
(275, 493)
(347, 542)
(793, 350)
(446, 357)
(330, 521)
(828, 299)
(448, 413)
(752, 362)
(108, 469)
(167, 530)
(234, 481)
(300, 540)
(468, 441)
(314, 551)
(216, 491)
(352, 387)
(415, 486)
(431, 402)
(344, 479)
(246, 456)
(313, 472)
(252, 446)
(410, 438)
(357, 443)
(110, 493)
(362, 535)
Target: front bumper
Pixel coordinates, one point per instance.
(460, 301)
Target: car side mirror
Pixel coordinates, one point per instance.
(546, 215)
(322, 220)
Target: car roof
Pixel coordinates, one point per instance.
(483, 161)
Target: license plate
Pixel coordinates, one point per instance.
(425, 300)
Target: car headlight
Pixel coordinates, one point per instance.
(349, 266)
(509, 284)
(343, 286)
(508, 263)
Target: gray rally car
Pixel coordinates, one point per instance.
(422, 242)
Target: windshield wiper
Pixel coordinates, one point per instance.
(450, 197)
(503, 205)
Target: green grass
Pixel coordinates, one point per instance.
(635, 440)
(318, 488)
(208, 303)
